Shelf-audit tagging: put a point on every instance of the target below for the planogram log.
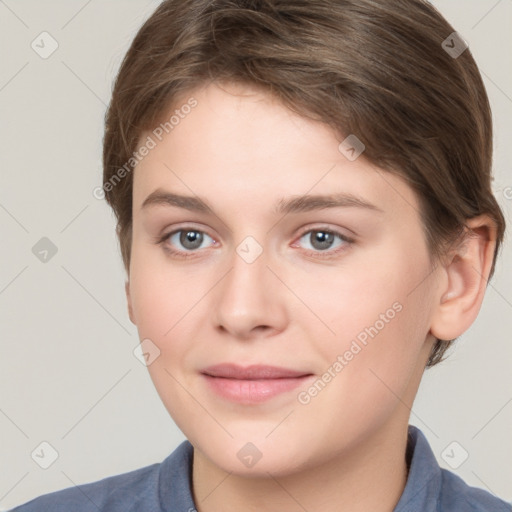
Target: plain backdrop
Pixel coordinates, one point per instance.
(68, 375)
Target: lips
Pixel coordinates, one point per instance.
(254, 372)
(252, 384)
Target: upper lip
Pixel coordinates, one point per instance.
(253, 372)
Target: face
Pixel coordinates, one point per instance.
(318, 312)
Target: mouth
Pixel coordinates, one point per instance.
(252, 384)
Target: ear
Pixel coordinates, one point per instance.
(129, 300)
(465, 274)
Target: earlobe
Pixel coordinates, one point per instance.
(129, 301)
(466, 270)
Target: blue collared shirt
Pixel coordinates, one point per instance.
(166, 487)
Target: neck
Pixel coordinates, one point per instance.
(371, 476)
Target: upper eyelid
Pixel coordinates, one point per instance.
(324, 227)
(184, 228)
(320, 226)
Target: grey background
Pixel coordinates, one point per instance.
(68, 375)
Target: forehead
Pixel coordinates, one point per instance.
(240, 144)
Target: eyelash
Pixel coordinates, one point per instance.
(321, 254)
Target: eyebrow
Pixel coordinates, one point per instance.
(293, 204)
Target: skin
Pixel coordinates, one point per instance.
(242, 151)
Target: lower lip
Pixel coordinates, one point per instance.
(253, 391)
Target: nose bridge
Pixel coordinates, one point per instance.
(248, 269)
(246, 299)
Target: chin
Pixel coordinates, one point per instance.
(257, 455)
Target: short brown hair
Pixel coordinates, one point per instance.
(373, 68)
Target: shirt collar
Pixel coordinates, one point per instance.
(423, 486)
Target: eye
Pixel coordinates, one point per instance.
(189, 239)
(322, 240)
(185, 242)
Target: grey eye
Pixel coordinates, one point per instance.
(320, 239)
(189, 239)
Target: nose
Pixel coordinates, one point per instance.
(250, 300)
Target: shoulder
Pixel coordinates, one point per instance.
(458, 495)
(432, 488)
(112, 493)
(138, 490)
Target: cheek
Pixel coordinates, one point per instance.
(153, 307)
(366, 383)
(160, 294)
(380, 317)
(371, 302)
